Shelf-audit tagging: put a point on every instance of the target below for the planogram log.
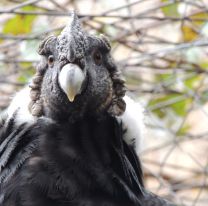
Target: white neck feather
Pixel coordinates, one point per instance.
(20, 104)
(133, 122)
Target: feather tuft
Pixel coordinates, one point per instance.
(133, 123)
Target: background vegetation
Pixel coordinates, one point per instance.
(161, 48)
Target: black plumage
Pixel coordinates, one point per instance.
(73, 152)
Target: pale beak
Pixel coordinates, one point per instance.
(71, 79)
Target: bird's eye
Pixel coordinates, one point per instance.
(97, 58)
(50, 60)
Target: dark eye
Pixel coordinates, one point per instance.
(50, 60)
(97, 58)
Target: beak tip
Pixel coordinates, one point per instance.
(71, 98)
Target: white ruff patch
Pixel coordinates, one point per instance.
(132, 119)
(133, 122)
(20, 104)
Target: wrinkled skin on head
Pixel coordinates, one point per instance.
(100, 89)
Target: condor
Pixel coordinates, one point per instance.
(66, 140)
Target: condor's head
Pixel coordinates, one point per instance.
(76, 76)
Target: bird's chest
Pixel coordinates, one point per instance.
(77, 163)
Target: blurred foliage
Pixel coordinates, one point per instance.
(20, 24)
(160, 46)
(170, 10)
(26, 73)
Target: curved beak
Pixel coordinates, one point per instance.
(71, 79)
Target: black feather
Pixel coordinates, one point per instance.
(74, 161)
(81, 163)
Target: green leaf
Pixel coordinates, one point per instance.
(189, 34)
(164, 77)
(170, 10)
(179, 108)
(199, 18)
(204, 64)
(192, 82)
(183, 130)
(190, 30)
(25, 65)
(22, 79)
(20, 24)
(161, 113)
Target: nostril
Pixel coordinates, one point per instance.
(80, 63)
